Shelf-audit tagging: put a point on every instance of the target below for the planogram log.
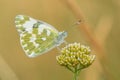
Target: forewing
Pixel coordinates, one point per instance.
(36, 37)
(24, 23)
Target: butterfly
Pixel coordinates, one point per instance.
(37, 37)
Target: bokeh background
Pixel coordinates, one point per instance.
(103, 17)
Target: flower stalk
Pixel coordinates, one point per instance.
(76, 74)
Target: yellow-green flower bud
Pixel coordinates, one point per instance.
(75, 56)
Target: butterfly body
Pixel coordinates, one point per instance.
(37, 37)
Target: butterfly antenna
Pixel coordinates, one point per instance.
(77, 23)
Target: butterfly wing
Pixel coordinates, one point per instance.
(36, 37)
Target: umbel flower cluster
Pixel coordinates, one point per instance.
(75, 57)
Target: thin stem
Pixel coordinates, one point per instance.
(76, 74)
(70, 69)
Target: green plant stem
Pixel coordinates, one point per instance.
(76, 74)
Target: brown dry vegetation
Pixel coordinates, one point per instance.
(99, 28)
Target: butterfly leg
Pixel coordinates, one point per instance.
(58, 48)
(65, 43)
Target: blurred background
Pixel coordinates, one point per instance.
(103, 17)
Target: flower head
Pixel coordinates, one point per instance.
(75, 56)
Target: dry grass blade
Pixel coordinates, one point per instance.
(72, 5)
(6, 73)
(104, 26)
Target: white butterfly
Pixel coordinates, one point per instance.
(37, 37)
